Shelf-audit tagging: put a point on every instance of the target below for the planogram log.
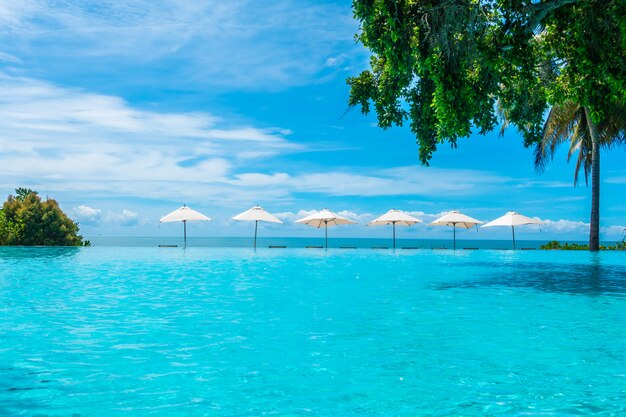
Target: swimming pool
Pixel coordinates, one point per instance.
(230, 332)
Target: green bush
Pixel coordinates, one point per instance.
(26, 220)
(555, 244)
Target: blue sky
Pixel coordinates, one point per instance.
(123, 111)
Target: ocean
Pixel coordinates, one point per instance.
(303, 242)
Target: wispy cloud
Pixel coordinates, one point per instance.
(243, 44)
(572, 228)
(78, 139)
(380, 182)
(616, 180)
(543, 184)
(9, 58)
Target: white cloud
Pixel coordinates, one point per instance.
(123, 218)
(332, 62)
(89, 216)
(336, 61)
(361, 218)
(427, 217)
(614, 231)
(563, 226)
(86, 215)
(290, 217)
(87, 211)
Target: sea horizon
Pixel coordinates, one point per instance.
(303, 242)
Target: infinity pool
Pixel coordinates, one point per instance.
(285, 332)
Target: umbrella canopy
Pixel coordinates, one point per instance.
(324, 218)
(394, 217)
(454, 219)
(184, 214)
(512, 219)
(256, 214)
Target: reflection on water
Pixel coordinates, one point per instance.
(16, 380)
(591, 279)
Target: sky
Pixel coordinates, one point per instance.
(124, 111)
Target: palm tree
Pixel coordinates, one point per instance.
(571, 122)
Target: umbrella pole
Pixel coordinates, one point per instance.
(326, 233)
(256, 225)
(513, 229)
(185, 232)
(394, 235)
(454, 236)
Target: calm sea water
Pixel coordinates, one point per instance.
(303, 242)
(112, 331)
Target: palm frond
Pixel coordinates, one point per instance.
(502, 116)
(612, 130)
(561, 121)
(579, 162)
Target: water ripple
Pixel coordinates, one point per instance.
(214, 332)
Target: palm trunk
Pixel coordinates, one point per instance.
(594, 229)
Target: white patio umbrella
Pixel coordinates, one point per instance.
(184, 214)
(454, 219)
(324, 218)
(256, 214)
(394, 217)
(512, 219)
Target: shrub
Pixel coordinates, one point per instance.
(27, 220)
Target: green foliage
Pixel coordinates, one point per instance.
(590, 38)
(21, 193)
(9, 230)
(444, 65)
(553, 244)
(556, 245)
(26, 220)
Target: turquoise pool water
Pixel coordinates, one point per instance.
(229, 332)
